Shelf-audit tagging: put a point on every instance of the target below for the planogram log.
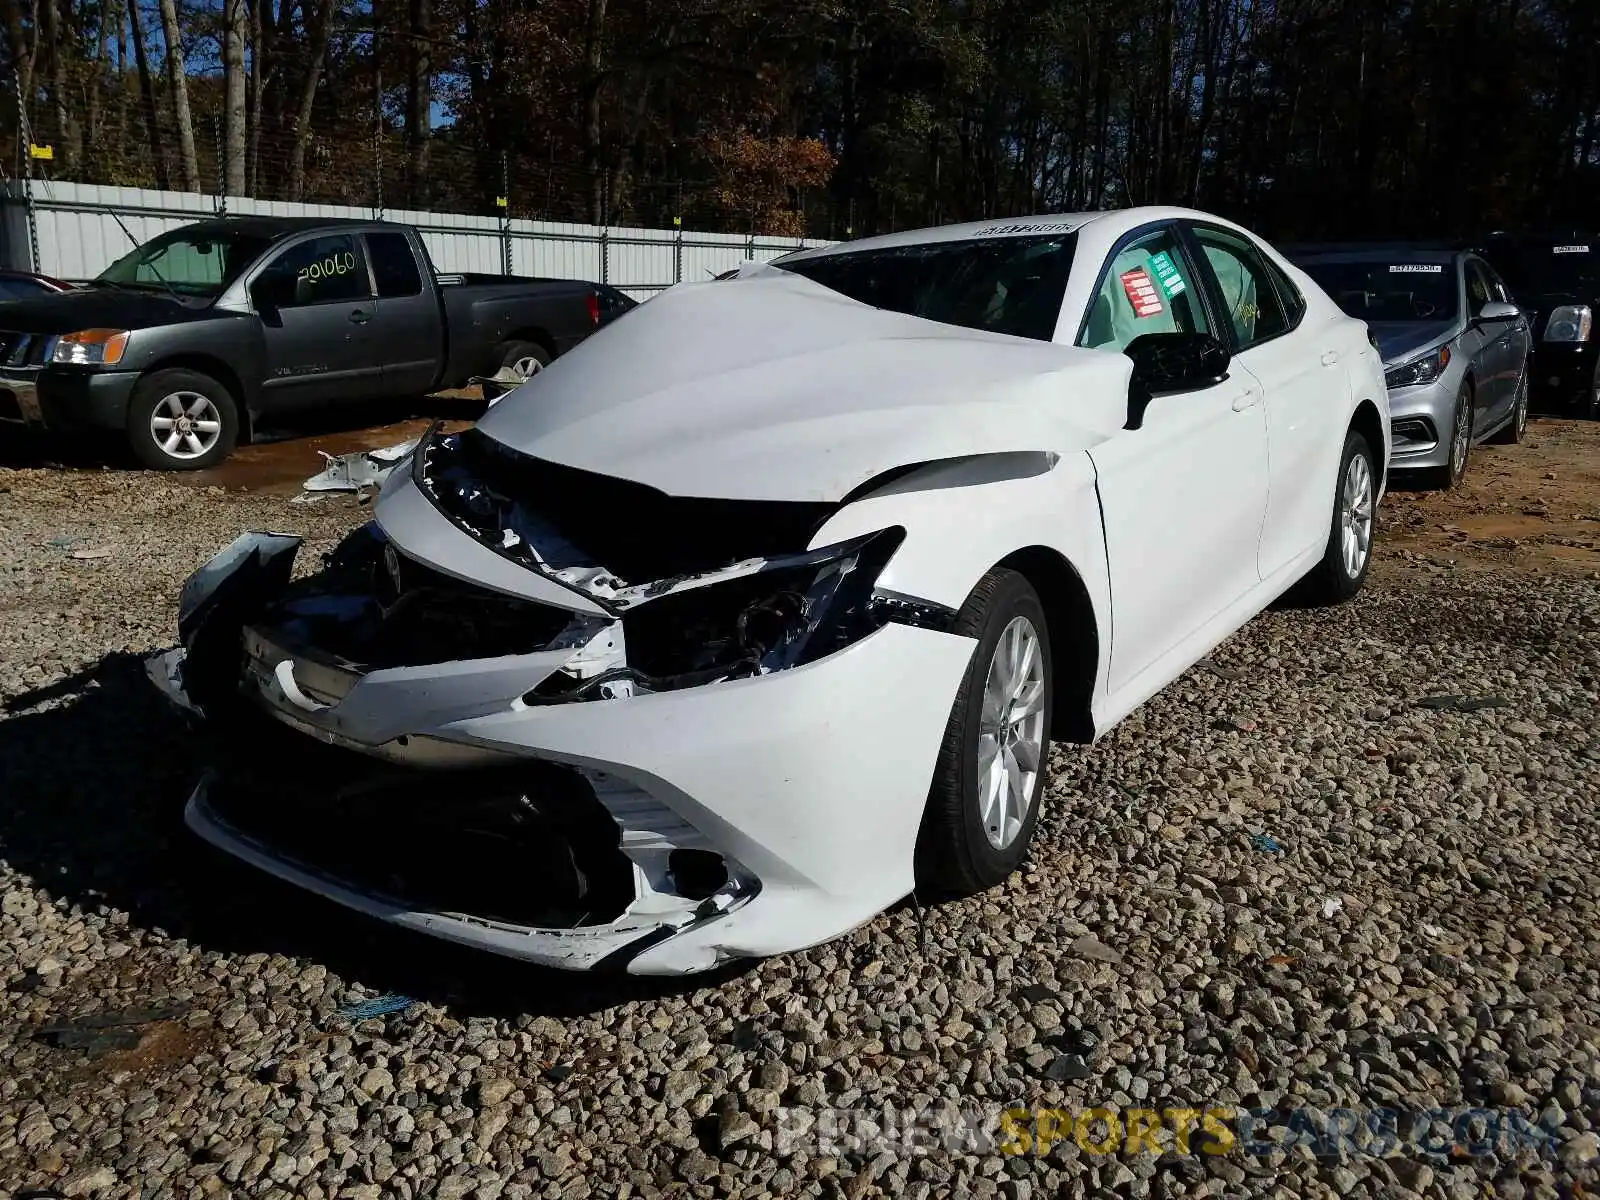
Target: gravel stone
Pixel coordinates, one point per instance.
(1151, 953)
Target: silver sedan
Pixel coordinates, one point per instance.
(1455, 349)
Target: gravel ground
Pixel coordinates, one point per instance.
(1284, 881)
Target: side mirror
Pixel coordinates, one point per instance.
(1164, 363)
(1499, 310)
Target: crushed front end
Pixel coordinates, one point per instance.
(562, 717)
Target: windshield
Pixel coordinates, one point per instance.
(188, 262)
(1384, 289)
(1006, 285)
(1545, 268)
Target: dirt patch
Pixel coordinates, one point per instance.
(1536, 506)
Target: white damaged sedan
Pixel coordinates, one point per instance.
(757, 611)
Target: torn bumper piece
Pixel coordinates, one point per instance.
(664, 832)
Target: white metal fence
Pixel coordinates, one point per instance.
(72, 231)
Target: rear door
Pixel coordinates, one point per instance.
(1304, 376)
(315, 300)
(407, 329)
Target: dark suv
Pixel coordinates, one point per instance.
(1555, 278)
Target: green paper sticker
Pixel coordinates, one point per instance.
(1166, 273)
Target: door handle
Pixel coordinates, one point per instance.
(1246, 400)
(359, 316)
(1330, 357)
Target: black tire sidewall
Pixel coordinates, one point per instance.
(1013, 597)
(511, 351)
(155, 387)
(1463, 400)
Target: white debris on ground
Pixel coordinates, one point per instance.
(361, 470)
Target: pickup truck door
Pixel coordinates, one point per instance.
(315, 301)
(408, 330)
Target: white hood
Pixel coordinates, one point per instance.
(771, 387)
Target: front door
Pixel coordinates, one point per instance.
(316, 304)
(1182, 496)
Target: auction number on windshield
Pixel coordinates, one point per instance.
(327, 268)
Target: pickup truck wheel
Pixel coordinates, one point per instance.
(181, 420)
(525, 358)
(990, 775)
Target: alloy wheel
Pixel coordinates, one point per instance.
(1355, 516)
(1011, 737)
(186, 425)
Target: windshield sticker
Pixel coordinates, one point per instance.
(1167, 273)
(1569, 250)
(1039, 227)
(1417, 269)
(1141, 293)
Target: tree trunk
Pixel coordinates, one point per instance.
(252, 180)
(147, 97)
(320, 19)
(419, 103)
(593, 56)
(233, 106)
(178, 83)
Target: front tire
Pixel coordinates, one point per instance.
(1345, 562)
(1455, 467)
(181, 420)
(984, 802)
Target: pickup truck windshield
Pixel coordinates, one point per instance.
(186, 261)
(1006, 285)
(1390, 289)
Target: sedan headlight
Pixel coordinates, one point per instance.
(1568, 323)
(1425, 368)
(91, 347)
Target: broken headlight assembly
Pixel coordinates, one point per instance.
(789, 612)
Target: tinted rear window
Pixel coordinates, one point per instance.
(1390, 289)
(1569, 267)
(1005, 285)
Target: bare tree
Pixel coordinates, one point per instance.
(178, 84)
(319, 18)
(419, 102)
(235, 21)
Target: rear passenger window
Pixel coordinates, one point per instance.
(1249, 297)
(1294, 301)
(394, 266)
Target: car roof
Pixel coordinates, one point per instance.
(1044, 223)
(276, 227)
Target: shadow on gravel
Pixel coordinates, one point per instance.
(93, 812)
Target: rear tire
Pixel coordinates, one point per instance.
(1511, 433)
(181, 420)
(525, 358)
(1336, 578)
(984, 802)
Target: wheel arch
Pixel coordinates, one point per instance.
(535, 334)
(1368, 422)
(1074, 637)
